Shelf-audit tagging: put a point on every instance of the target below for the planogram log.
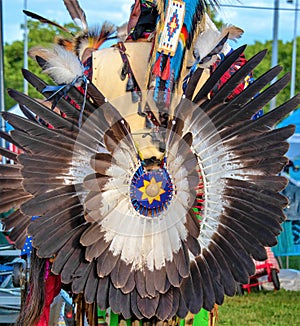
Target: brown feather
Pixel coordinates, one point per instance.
(66, 252)
(96, 249)
(102, 293)
(21, 239)
(182, 261)
(165, 305)
(248, 240)
(100, 162)
(274, 183)
(95, 182)
(119, 302)
(191, 290)
(147, 306)
(150, 283)
(172, 274)
(13, 199)
(93, 201)
(236, 266)
(18, 223)
(10, 170)
(207, 284)
(193, 245)
(9, 186)
(71, 265)
(245, 189)
(182, 310)
(134, 305)
(42, 111)
(140, 283)
(192, 224)
(192, 83)
(45, 21)
(130, 284)
(76, 12)
(14, 219)
(44, 203)
(80, 276)
(176, 298)
(106, 263)
(50, 242)
(217, 258)
(258, 102)
(8, 154)
(216, 76)
(216, 278)
(91, 235)
(97, 97)
(265, 219)
(161, 283)
(90, 289)
(120, 274)
(58, 215)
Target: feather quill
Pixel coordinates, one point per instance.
(46, 21)
(76, 13)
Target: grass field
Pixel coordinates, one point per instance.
(281, 308)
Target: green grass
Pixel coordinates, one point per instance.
(281, 308)
(293, 262)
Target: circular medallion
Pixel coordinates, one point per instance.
(151, 191)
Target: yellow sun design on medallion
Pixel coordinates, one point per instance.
(151, 190)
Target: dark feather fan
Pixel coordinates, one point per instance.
(115, 223)
(148, 237)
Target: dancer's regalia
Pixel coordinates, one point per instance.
(153, 185)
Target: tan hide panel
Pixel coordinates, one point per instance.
(108, 63)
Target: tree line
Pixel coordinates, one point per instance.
(41, 34)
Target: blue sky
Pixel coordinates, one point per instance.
(257, 23)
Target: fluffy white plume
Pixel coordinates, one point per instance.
(61, 65)
(210, 38)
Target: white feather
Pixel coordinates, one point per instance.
(145, 241)
(207, 40)
(211, 36)
(63, 66)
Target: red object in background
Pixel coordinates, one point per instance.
(52, 289)
(268, 267)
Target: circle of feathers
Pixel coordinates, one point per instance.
(226, 208)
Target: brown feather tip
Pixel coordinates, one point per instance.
(232, 31)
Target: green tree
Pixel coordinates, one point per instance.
(42, 34)
(284, 59)
(38, 34)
